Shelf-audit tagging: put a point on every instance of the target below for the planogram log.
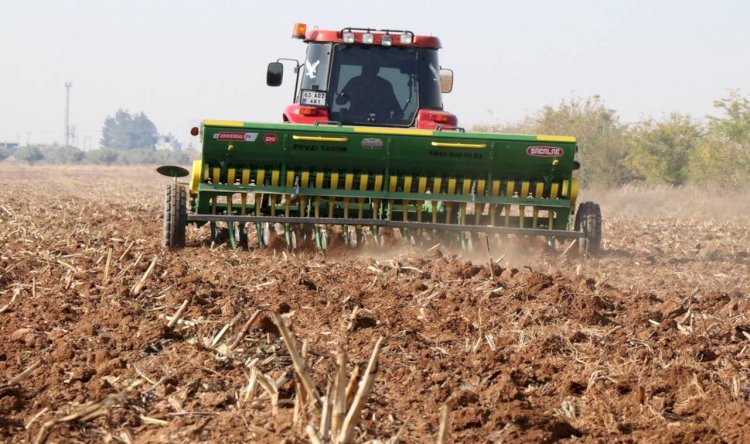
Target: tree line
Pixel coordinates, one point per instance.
(126, 139)
(673, 150)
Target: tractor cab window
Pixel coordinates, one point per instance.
(315, 68)
(429, 80)
(372, 85)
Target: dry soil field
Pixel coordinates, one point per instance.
(649, 342)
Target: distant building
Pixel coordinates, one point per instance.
(9, 147)
(168, 142)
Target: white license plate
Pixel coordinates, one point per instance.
(314, 98)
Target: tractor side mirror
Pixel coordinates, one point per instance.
(275, 74)
(446, 80)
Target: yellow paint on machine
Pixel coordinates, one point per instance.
(494, 192)
(392, 184)
(422, 184)
(319, 138)
(232, 123)
(553, 190)
(525, 189)
(348, 183)
(539, 190)
(544, 138)
(363, 178)
(574, 185)
(436, 184)
(195, 177)
(334, 186)
(458, 145)
(304, 181)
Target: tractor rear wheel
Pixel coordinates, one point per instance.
(589, 221)
(175, 216)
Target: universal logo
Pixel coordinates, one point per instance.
(236, 136)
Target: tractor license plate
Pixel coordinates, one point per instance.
(314, 98)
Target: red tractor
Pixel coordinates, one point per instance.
(361, 76)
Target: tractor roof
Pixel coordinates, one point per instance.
(417, 41)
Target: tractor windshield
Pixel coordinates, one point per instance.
(376, 85)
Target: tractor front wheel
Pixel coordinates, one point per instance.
(175, 216)
(589, 221)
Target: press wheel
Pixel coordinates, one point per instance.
(589, 221)
(175, 216)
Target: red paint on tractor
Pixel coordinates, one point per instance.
(431, 119)
(293, 114)
(270, 139)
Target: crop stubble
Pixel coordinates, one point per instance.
(106, 335)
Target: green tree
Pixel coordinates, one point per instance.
(125, 131)
(724, 153)
(63, 154)
(601, 138)
(660, 151)
(30, 153)
(104, 156)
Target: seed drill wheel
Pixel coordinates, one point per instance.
(175, 216)
(589, 221)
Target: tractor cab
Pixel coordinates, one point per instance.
(366, 77)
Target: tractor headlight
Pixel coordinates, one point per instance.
(348, 37)
(406, 38)
(386, 40)
(368, 38)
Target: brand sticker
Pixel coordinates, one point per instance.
(270, 139)
(235, 136)
(372, 143)
(545, 151)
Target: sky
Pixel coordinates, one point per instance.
(181, 61)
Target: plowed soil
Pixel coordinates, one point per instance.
(648, 342)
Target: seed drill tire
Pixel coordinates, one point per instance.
(175, 216)
(589, 221)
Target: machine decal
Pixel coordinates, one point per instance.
(372, 143)
(545, 151)
(310, 68)
(435, 73)
(235, 136)
(270, 139)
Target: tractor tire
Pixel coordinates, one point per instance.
(589, 221)
(175, 216)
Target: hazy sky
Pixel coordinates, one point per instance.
(182, 61)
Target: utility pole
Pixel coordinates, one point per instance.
(67, 112)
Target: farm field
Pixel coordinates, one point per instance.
(648, 342)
